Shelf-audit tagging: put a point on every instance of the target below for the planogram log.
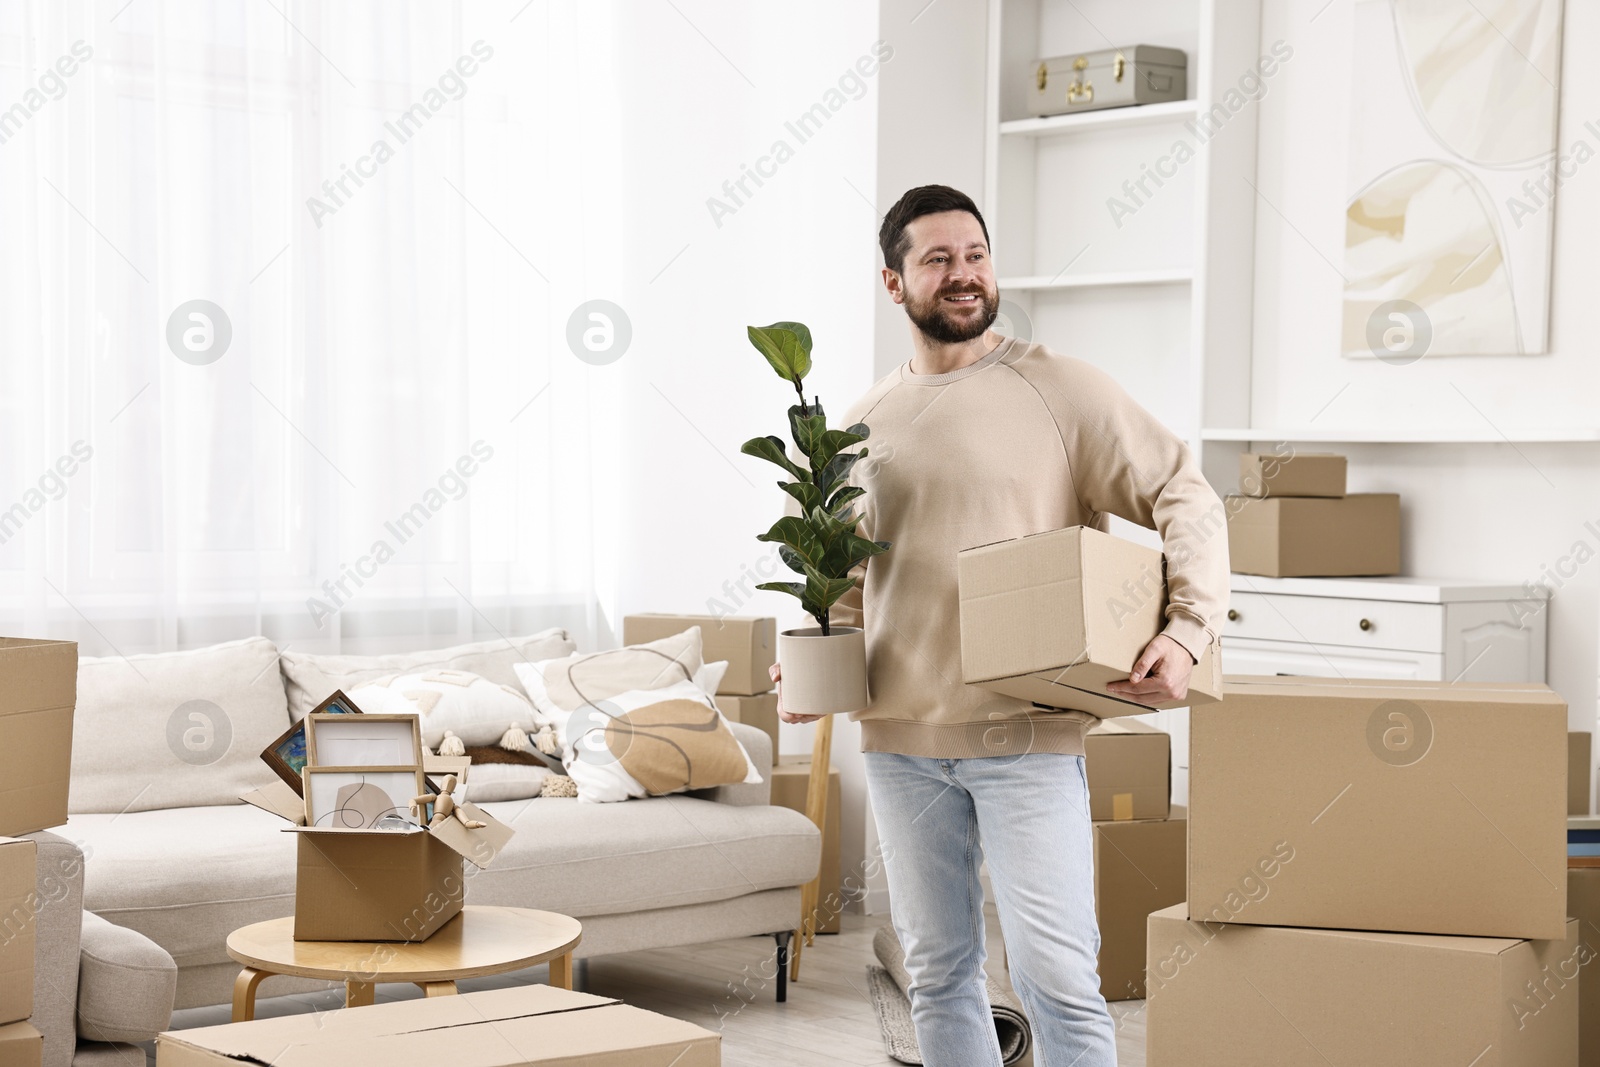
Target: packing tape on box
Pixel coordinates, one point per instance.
(1122, 807)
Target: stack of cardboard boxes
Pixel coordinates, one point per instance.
(1376, 876)
(1293, 519)
(1139, 844)
(37, 701)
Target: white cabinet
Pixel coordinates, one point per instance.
(1406, 628)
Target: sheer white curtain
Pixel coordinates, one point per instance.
(389, 212)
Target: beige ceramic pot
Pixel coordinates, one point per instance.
(823, 675)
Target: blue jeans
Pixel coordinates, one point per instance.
(1031, 815)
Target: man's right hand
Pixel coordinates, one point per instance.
(776, 672)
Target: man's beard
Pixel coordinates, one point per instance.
(933, 316)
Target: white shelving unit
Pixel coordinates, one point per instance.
(1127, 234)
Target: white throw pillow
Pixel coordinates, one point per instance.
(175, 729)
(475, 709)
(622, 740)
(489, 783)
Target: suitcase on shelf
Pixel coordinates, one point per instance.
(1110, 77)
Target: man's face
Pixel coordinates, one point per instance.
(947, 281)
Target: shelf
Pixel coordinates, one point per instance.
(1137, 115)
(1037, 283)
(1486, 435)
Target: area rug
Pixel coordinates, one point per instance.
(887, 986)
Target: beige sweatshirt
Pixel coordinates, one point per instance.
(1020, 442)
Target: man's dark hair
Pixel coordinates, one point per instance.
(923, 200)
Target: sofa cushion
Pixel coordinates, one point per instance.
(177, 729)
(603, 859)
(309, 678)
(188, 877)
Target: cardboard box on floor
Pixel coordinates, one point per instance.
(760, 711)
(1579, 759)
(1309, 537)
(1129, 767)
(377, 885)
(21, 1046)
(1583, 904)
(38, 692)
(790, 779)
(1139, 867)
(1421, 807)
(523, 1026)
(749, 643)
(18, 869)
(1252, 996)
(1297, 474)
(1054, 616)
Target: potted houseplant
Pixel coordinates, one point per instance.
(824, 667)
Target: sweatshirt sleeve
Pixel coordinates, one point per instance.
(1125, 462)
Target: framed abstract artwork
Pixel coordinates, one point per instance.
(1454, 164)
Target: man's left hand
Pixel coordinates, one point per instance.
(1161, 673)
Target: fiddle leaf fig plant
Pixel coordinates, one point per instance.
(821, 543)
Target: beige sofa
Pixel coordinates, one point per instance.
(174, 856)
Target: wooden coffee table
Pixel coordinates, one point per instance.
(481, 940)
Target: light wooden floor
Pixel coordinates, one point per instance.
(827, 1021)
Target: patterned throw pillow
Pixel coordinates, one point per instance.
(638, 721)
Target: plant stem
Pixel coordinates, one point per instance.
(805, 412)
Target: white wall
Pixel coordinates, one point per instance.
(1494, 511)
(800, 246)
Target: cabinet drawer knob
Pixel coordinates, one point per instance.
(1366, 624)
(1233, 616)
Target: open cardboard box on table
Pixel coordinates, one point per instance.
(383, 885)
(524, 1026)
(1052, 617)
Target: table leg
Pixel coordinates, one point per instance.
(244, 994)
(561, 971)
(358, 994)
(438, 989)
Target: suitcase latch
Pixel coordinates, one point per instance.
(1117, 66)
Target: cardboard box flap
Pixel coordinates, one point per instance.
(492, 1028)
(279, 799)
(439, 766)
(1477, 946)
(478, 847)
(1123, 726)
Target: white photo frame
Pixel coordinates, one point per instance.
(362, 798)
(363, 741)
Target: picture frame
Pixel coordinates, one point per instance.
(361, 798)
(341, 740)
(287, 756)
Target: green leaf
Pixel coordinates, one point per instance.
(772, 450)
(799, 536)
(806, 493)
(830, 445)
(837, 470)
(807, 431)
(791, 559)
(794, 588)
(825, 592)
(843, 497)
(787, 346)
